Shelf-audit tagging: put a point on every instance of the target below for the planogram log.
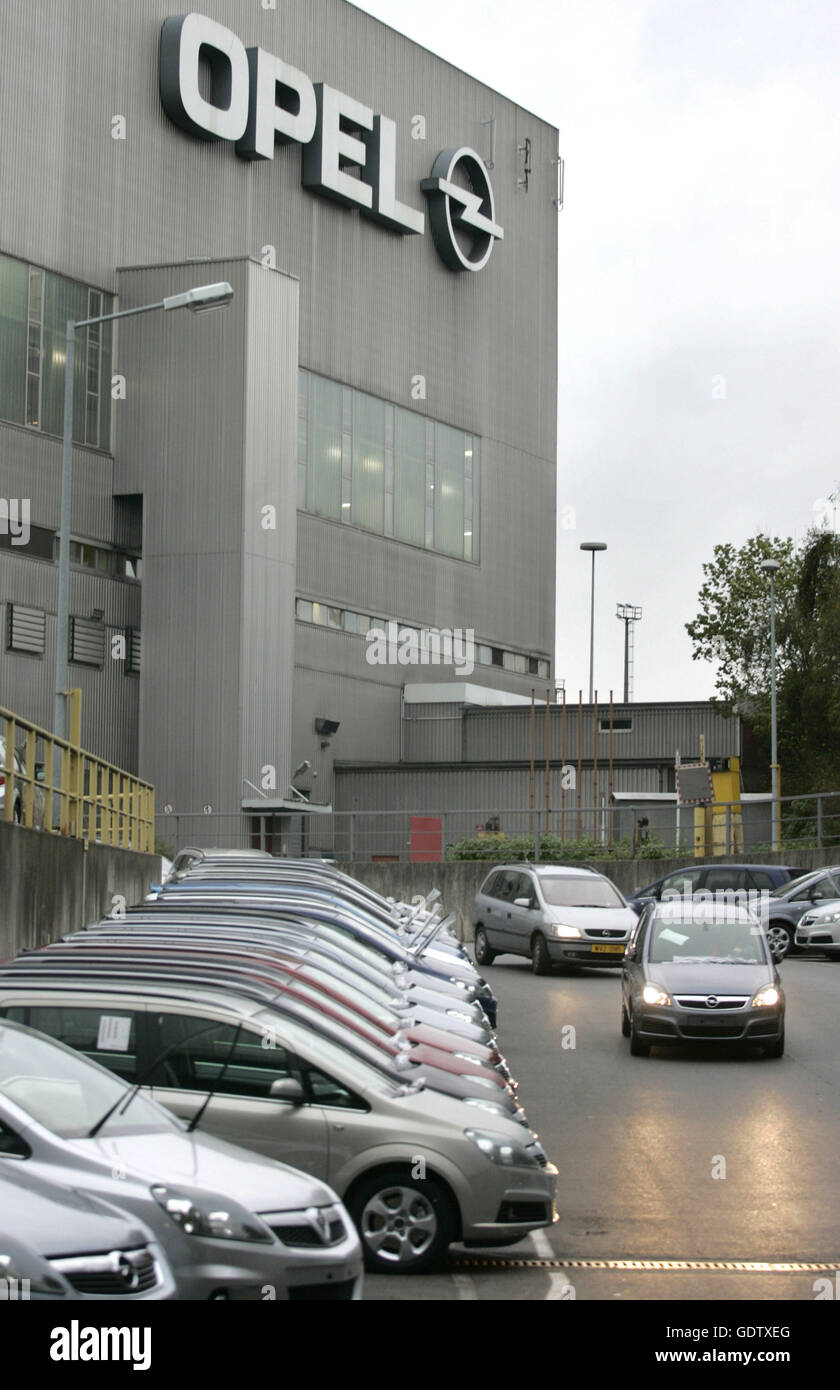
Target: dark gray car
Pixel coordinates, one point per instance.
(699, 973)
(786, 905)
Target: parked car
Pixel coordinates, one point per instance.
(417, 1169)
(818, 931)
(72, 1122)
(66, 1244)
(787, 905)
(39, 798)
(714, 878)
(700, 973)
(557, 915)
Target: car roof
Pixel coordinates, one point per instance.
(550, 870)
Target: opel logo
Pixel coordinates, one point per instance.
(320, 1221)
(122, 1266)
(711, 1001)
(462, 218)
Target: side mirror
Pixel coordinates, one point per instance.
(287, 1089)
(523, 902)
(39, 772)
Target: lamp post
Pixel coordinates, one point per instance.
(593, 546)
(770, 568)
(203, 297)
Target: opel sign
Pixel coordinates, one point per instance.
(257, 101)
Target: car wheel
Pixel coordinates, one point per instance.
(405, 1224)
(540, 959)
(777, 1048)
(625, 1021)
(484, 954)
(637, 1047)
(779, 940)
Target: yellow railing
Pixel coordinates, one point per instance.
(59, 787)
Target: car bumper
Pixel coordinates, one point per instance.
(818, 938)
(670, 1026)
(586, 952)
(524, 1202)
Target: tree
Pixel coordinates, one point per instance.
(809, 694)
(732, 628)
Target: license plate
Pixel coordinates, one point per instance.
(608, 950)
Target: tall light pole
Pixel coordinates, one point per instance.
(629, 614)
(201, 298)
(593, 546)
(771, 567)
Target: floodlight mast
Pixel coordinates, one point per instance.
(628, 614)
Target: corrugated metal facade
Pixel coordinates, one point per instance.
(205, 399)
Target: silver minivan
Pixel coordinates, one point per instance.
(556, 915)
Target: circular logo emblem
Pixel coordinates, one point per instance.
(125, 1269)
(462, 213)
(711, 1001)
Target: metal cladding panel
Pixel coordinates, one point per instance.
(31, 468)
(432, 733)
(269, 532)
(657, 732)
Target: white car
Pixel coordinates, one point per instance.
(818, 930)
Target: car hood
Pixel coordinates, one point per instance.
(56, 1221)
(709, 979)
(204, 1162)
(594, 918)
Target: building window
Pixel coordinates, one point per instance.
(40, 543)
(384, 469)
(619, 726)
(26, 630)
(35, 306)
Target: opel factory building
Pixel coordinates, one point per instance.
(290, 514)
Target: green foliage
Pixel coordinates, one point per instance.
(513, 849)
(164, 848)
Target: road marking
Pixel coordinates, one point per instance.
(737, 1266)
(559, 1284)
(465, 1285)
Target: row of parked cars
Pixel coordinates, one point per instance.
(271, 1075)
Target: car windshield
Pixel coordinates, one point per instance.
(67, 1094)
(695, 940)
(577, 891)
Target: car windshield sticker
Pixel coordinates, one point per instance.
(667, 935)
(113, 1034)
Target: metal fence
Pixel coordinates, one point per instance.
(53, 784)
(630, 828)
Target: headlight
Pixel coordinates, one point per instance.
(509, 1153)
(202, 1217)
(565, 933)
(652, 994)
(766, 997)
(813, 920)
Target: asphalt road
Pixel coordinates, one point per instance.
(696, 1155)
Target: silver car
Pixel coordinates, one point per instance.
(556, 915)
(819, 930)
(283, 1236)
(39, 797)
(56, 1243)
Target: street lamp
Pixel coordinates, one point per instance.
(200, 299)
(593, 546)
(771, 567)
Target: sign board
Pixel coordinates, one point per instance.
(694, 784)
(257, 101)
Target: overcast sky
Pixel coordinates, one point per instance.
(699, 289)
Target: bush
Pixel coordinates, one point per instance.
(520, 848)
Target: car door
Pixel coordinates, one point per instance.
(522, 921)
(631, 968)
(207, 1051)
(491, 913)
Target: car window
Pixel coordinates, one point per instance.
(205, 1054)
(579, 890)
(761, 878)
(325, 1090)
(525, 888)
(818, 889)
(12, 1144)
(506, 889)
(718, 880)
(688, 941)
(105, 1035)
(683, 882)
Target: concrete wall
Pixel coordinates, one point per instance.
(459, 882)
(51, 884)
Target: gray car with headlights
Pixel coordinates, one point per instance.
(63, 1118)
(818, 932)
(56, 1243)
(698, 973)
(554, 914)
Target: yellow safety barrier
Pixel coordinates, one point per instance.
(57, 786)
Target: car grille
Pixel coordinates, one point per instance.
(309, 1235)
(344, 1291)
(612, 933)
(521, 1211)
(119, 1274)
(701, 1001)
(721, 1030)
